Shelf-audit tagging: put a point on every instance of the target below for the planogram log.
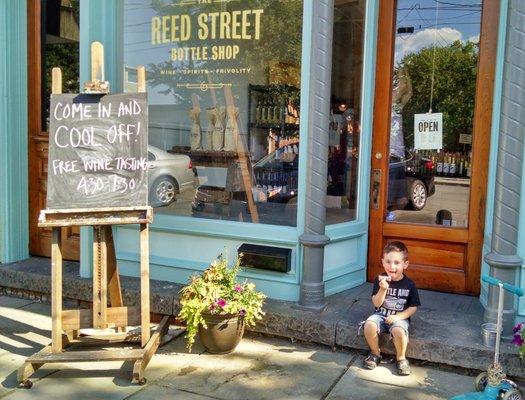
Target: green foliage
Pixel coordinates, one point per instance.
(216, 291)
(455, 72)
(66, 57)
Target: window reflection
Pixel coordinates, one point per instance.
(345, 111)
(223, 83)
(434, 85)
(60, 45)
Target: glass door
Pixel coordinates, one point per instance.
(432, 118)
(436, 54)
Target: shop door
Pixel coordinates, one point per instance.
(52, 41)
(432, 120)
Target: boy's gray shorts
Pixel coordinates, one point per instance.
(383, 327)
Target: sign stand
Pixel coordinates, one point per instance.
(66, 324)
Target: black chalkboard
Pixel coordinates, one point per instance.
(97, 151)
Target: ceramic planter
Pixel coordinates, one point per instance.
(223, 334)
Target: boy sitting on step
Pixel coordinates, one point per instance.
(395, 298)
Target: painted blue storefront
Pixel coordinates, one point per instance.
(180, 245)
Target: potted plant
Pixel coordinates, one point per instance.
(218, 307)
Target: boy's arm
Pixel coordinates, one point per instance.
(379, 298)
(402, 315)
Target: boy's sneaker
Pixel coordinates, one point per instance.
(403, 367)
(371, 361)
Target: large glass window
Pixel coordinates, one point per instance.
(223, 81)
(60, 48)
(345, 111)
(433, 99)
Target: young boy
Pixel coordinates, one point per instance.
(395, 299)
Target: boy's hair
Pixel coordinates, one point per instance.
(396, 246)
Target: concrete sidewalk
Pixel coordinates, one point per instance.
(446, 328)
(260, 368)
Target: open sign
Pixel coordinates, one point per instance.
(428, 131)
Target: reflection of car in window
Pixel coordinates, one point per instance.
(410, 181)
(168, 174)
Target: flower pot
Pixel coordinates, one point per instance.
(223, 334)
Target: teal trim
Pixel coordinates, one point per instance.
(86, 252)
(494, 139)
(189, 267)
(344, 282)
(273, 234)
(341, 232)
(14, 219)
(276, 289)
(367, 108)
(97, 23)
(344, 270)
(305, 127)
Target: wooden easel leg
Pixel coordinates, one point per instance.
(71, 335)
(115, 292)
(100, 298)
(144, 283)
(149, 351)
(56, 291)
(25, 371)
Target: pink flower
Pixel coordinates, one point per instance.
(518, 340)
(238, 288)
(517, 328)
(221, 303)
(242, 312)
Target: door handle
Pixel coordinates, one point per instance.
(375, 188)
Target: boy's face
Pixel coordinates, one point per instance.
(394, 264)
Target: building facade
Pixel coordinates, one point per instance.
(305, 134)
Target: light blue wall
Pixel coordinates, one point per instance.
(180, 246)
(14, 228)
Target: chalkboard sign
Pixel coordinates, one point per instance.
(97, 151)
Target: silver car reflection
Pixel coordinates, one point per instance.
(168, 175)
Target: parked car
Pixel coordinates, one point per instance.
(411, 179)
(168, 175)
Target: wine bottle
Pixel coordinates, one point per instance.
(453, 166)
(439, 167)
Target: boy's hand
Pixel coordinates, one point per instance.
(391, 319)
(383, 282)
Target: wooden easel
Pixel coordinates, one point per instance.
(66, 324)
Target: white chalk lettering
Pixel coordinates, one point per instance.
(131, 163)
(74, 137)
(130, 108)
(97, 165)
(73, 111)
(60, 167)
(104, 111)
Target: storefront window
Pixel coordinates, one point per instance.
(60, 48)
(433, 99)
(223, 81)
(345, 113)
